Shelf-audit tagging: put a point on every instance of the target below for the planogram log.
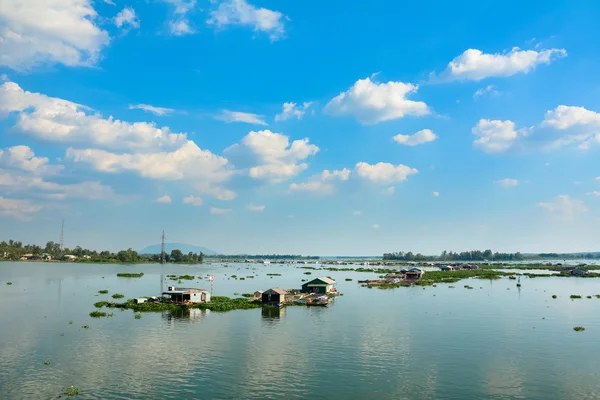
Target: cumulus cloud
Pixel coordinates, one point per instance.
(179, 24)
(166, 199)
(595, 193)
(181, 27)
(383, 173)
(34, 32)
(193, 200)
(495, 136)
(127, 18)
(214, 210)
(507, 182)
(24, 159)
(356, 212)
(476, 65)
(317, 187)
(370, 102)
(240, 12)
(564, 205)
(581, 126)
(421, 137)
(58, 120)
(292, 110)
(237, 116)
(376, 226)
(343, 175)
(436, 194)
(489, 90)
(16, 208)
(254, 207)
(271, 155)
(152, 109)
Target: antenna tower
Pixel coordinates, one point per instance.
(163, 254)
(62, 235)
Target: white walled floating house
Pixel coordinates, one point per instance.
(187, 295)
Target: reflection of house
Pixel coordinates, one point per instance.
(274, 296)
(318, 285)
(414, 273)
(187, 295)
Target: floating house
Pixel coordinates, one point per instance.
(447, 268)
(318, 285)
(274, 296)
(187, 295)
(573, 271)
(258, 294)
(414, 273)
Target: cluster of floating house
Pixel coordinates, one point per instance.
(317, 292)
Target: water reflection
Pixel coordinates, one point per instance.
(184, 315)
(273, 313)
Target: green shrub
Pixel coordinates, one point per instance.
(118, 296)
(138, 316)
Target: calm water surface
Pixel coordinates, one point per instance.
(492, 342)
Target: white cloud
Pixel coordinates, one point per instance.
(272, 156)
(292, 110)
(181, 27)
(436, 194)
(370, 102)
(421, 137)
(495, 136)
(179, 24)
(200, 168)
(154, 110)
(507, 182)
(239, 12)
(595, 193)
(214, 210)
(488, 90)
(127, 17)
(317, 187)
(193, 200)
(547, 164)
(19, 209)
(166, 199)
(254, 207)
(34, 32)
(58, 120)
(237, 116)
(564, 205)
(383, 173)
(376, 226)
(389, 190)
(23, 158)
(597, 178)
(582, 125)
(356, 212)
(475, 65)
(110, 2)
(342, 175)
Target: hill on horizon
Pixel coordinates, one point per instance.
(185, 248)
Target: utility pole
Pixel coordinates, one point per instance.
(62, 236)
(163, 254)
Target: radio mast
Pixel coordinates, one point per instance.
(62, 235)
(163, 253)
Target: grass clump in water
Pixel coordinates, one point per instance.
(97, 314)
(46, 362)
(98, 304)
(579, 329)
(554, 296)
(103, 291)
(9, 283)
(118, 296)
(71, 391)
(575, 296)
(348, 279)
(308, 273)
(130, 275)
(86, 326)
(138, 316)
(247, 295)
(276, 274)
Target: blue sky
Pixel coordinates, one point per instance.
(309, 127)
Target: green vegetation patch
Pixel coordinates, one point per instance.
(118, 296)
(103, 291)
(575, 296)
(71, 391)
(348, 279)
(579, 329)
(9, 283)
(130, 275)
(280, 274)
(138, 316)
(554, 296)
(99, 314)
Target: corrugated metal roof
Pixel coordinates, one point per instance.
(326, 280)
(277, 290)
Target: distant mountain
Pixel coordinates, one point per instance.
(185, 248)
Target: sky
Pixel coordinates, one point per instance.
(314, 128)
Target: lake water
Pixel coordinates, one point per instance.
(492, 342)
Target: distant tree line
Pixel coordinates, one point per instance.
(475, 255)
(569, 255)
(267, 257)
(15, 250)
